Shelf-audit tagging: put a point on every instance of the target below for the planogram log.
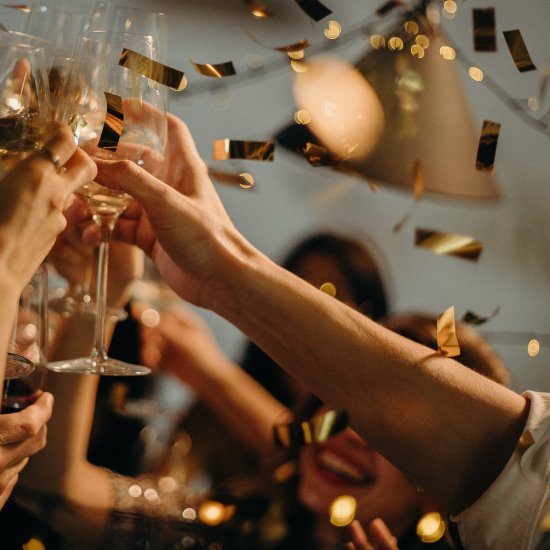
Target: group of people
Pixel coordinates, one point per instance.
(428, 431)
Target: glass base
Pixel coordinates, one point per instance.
(95, 365)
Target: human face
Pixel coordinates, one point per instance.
(346, 465)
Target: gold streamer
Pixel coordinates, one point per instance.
(314, 9)
(447, 342)
(153, 70)
(484, 30)
(472, 318)
(225, 149)
(487, 147)
(449, 244)
(114, 122)
(519, 52)
(218, 70)
(316, 430)
(243, 179)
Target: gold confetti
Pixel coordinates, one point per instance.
(257, 9)
(294, 48)
(34, 544)
(20, 7)
(218, 70)
(533, 347)
(447, 342)
(225, 149)
(484, 29)
(153, 70)
(314, 9)
(286, 471)
(328, 288)
(430, 527)
(342, 510)
(487, 147)
(472, 318)
(476, 74)
(519, 52)
(316, 430)
(243, 179)
(524, 442)
(449, 244)
(114, 122)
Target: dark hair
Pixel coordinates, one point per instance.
(475, 352)
(364, 281)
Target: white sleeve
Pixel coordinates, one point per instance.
(510, 513)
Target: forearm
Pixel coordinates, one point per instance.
(446, 427)
(245, 407)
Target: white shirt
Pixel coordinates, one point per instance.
(509, 515)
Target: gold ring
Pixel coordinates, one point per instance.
(51, 157)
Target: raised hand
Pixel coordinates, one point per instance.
(377, 537)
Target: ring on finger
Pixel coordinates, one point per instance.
(53, 158)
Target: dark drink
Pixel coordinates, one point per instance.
(18, 395)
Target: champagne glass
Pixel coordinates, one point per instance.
(116, 113)
(23, 96)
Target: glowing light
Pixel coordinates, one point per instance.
(135, 491)
(302, 117)
(476, 74)
(450, 6)
(168, 484)
(377, 41)
(298, 54)
(189, 513)
(34, 544)
(346, 114)
(342, 510)
(430, 527)
(533, 103)
(150, 317)
(423, 40)
(298, 66)
(211, 512)
(417, 51)
(447, 52)
(247, 180)
(411, 27)
(328, 288)
(395, 43)
(333, 31)
(151, 496)
(533, 347)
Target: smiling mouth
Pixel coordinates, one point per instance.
(338, 466)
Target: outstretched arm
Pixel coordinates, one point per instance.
(446, 427)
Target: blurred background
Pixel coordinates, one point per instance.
(436, 105)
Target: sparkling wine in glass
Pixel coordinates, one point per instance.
(118, 113)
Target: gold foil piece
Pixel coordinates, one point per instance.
(114, 122)
(328, 288)
(286, 471)
(153, 70)
(524, 442)
(418, 186)
(243, 179)
(447, 342)
(257, 9)
(519, 52)
(342, 510)
(449, 244)
(430, 527)
(315, 430)
(472, 318)
(218, 70)
(487, 147)
(484, 30)
(20, 7)
(225, 149)
(317, 155)
(314, 9)
(296, 47)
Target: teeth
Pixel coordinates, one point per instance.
(338, 466)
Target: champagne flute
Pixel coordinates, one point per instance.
(118, 114)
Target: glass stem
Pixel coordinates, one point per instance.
(106, 225)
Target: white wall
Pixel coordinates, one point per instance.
(291, 198)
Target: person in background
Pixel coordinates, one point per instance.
(398, 393)
(32, 197)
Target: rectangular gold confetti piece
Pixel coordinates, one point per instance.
(449, 244)
(218, 71)
(152, 69)
(114, 122)
(519, 52)
(472, 318)
(314, 9)
(487, 147)
(225, 149)
(484, 30)
(447, 342)
(291, 48)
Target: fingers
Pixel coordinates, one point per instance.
(378, 536)
(79, 169)
(61, 145)
(5, 494)
(27, 424)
